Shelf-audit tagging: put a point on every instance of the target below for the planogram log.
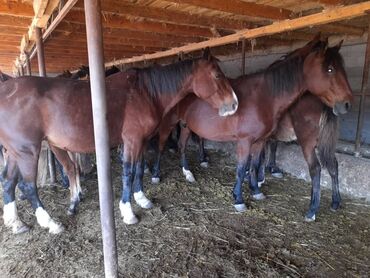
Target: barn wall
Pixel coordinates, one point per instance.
(353, 55)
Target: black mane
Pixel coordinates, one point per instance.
(158, 80)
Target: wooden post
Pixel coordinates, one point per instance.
(243, 56)
(21, 69)
(97, 82)
(28, 64)
(42, 72)
(365, 78)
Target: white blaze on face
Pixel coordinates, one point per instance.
(127, 213)
(45, 221)
(142, 200)
(188, 175)
(236, 102)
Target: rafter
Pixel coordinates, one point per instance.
(171, 16)
(239, 7)
(325, 17)
(120, 22)
(16, 8)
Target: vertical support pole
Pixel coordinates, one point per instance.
(22, 70)
(364, 86)
(243, 56)
(42, 72)
(97, 83)
(28, 65)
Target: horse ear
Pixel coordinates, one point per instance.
(207, 54)
(338, 46)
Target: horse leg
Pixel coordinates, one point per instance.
(256, 164)
(202, 153)
(271, 166)
(333, 172)
(139, 195)
(10, 177)
(315, 173)
(184, 137)
(27, 164)
(242, 151)
(163, 135)
(70, 169)
(59, 167)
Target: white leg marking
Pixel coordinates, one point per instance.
(45, 221)
(155, 180)
(240, 207)
(204, 164)
(188, 175)
(127, 213)
(312, 219)
(142, 200)
(11, 219)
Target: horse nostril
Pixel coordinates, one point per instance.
(347, 105)
(234, 106)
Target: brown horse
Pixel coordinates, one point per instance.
(263, 99)
(313, 125)
(58, 110)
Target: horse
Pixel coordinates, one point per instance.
(264, 97)
(314, 126)
(58, 110)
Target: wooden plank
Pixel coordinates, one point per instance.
(119, 22)
(79, 29)
(333, 15)
(342, 29)
(239, 7)
(16, 9)
(166, 15)
(14, 21)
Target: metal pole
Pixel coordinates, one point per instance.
(243, 56)
(97, 82)
(42, 72)
(28, 65)
(365, 77)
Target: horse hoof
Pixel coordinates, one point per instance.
(22, 197)
(142, 200)
(55, 228)
(146, 171)
(310, 219)
(334, 208)
(204, 164)
(130, 220)
(188, 175)
(155, 180)
(260, 183)
(277, 175)
(20, 229)
(240, 207)
(259, 197)
(71, 211)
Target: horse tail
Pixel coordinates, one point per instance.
(327, 137)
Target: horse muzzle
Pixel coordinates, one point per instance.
(230, 108)
(341, 108)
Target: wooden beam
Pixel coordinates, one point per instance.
(168, 15)
(14, 21)
(331, 2)
(342, 29)
(120, 22)
(16, 8)
(239, 7)
(333, 15)
(69, 28)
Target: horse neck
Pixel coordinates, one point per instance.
(167, 101)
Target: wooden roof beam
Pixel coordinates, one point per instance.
(120, 22)
(167, 15)
(324, 17)
(239, 7)
(73, 28)
(16, 9)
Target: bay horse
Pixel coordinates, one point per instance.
(264, 97)
(314, 126)
(58, 110)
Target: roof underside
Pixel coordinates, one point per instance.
(139, 27)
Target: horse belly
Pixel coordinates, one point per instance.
(285, 130)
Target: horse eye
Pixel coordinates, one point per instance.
(218, 75)
(330, 69)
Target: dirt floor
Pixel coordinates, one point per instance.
(193, 231)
